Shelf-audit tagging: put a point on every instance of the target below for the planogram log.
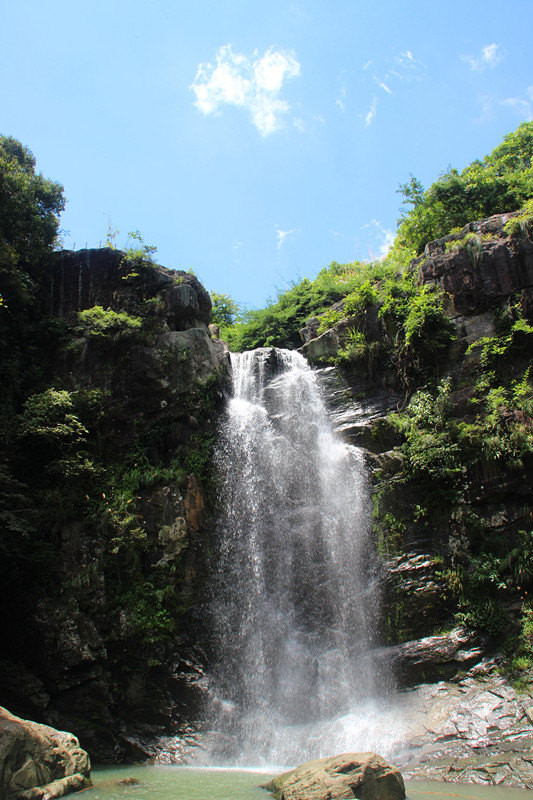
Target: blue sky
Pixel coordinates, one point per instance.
(257, 142)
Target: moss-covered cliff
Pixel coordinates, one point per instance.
(106, 436)
(449, 438)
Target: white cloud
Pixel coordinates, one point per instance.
(407, 66)
(389, 75)
(490, 56)
(383, 86)
(385, 237)
(386, 244)
(486, 106)
(250, 83)
(282, 235)
(371, 113)
(523, 107)
(340, 99)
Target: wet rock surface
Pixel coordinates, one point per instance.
(435, 657)
(366, 776)
(473, 730)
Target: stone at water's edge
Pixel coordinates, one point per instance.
(366, 776)
(37, 761)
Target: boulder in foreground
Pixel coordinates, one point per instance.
(365, 776)
(37, 761)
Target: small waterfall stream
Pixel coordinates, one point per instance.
(294, 596)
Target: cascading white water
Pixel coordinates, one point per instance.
(294, 598)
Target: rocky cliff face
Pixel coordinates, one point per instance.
(453, 478)
(113, 482)
(480, 268)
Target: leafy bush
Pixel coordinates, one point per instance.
(521, 225)
(328, 319)
(278, 324)
(472, 243)
(50, 416)
(97, 322)
(503, 181)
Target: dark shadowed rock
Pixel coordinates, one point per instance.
(436, 657)
(38, 761)
(412, 582)
(504, 266)
(103, 277)
(366, 776)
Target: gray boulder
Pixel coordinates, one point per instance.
(37, 761)
(366, 776)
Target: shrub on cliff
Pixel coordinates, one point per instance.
(99, 322)
(503, 181)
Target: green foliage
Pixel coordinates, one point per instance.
(137, 252)
(49, 416)
(447, 457)
(138, 257)
(432, 456)
(472, 243)
(225, 310)
(428, 331)
(356, 348)
(390, 535)
(418, 326)
(503, 181)
(353, 305)
(362, 298)
(522, 224)
(98, 322)
(30, 204)
(278, 324)
(147, 610)
(501, 436)
(328, 319)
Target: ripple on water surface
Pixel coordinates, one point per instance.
(186, 783)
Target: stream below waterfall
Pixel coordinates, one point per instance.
(185, 783)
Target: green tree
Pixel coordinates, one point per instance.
(30, 204)
(225, 310)
(503, 181)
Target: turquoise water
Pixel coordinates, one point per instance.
(178, 783)
(184, 783)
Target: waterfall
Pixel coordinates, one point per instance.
(294, 595)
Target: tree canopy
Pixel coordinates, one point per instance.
(503, 181)
(225, 310)
(30, 204)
